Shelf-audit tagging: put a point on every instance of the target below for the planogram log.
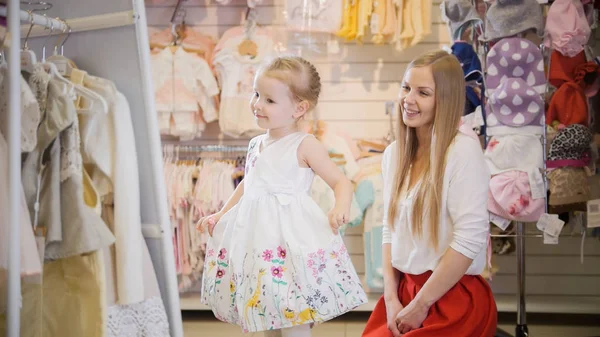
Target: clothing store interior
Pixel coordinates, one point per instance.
(152, 86)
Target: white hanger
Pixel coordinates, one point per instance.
(28, 58)
(62, 63)
(97, 102)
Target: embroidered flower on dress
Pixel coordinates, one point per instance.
(267, 255)
(222, 253)
(281, 252)
(211, 252)
(220, 273)
(277, 271)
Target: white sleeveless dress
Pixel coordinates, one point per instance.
(273, 261)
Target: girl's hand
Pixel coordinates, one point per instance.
(338, 218)
(208, 222)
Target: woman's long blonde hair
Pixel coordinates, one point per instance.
(449, 107)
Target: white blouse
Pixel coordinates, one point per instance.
(464, 224)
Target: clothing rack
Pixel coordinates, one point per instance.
(83, 24)
(135, 82)
(14, 16)
(196, 152)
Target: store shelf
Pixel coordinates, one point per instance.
(505, 303)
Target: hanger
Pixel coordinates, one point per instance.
(96, 101)
(247, 46)
(65, 66)
(2, 58)
(28, 58)
(373, 145)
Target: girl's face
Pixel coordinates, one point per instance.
(417, 97)
(272, 104)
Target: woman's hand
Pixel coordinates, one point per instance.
(338, 217)
(393, 308)
(412, 316)
(208, 222)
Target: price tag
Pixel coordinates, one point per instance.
(550, 240)
(554, 227)
(544, 220)
(499, 221)
(593, 213)
(333, 47)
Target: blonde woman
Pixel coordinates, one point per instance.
(436, 220)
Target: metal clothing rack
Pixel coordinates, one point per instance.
(188, 152)
(521, 329)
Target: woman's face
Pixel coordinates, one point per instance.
(417, 97)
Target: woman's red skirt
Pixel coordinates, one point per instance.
(466, 310)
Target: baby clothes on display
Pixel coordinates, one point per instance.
(315, 16)
(236, 75)
(567, 28)
(511, 17)
(515, 82)
(273, 261)
(575, 81)
(184, 85)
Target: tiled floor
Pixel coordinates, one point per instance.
(205, 326)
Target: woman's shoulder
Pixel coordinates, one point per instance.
(465, 146)
(388, 160)
(465, 153)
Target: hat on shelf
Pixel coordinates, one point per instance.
(568, 185)
(507, 18)
(458, 13)
(469, 60)
(567, 27)
(501, 153)
(514, 108)
(570, 147)
(515, 57)
(575, 80)
(510, 197)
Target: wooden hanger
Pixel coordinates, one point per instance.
(375, 146)
(247, 46)
(365, 154)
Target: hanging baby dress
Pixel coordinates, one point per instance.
(273, 261)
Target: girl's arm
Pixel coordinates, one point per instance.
(314, 155)
(234, 198)
(209, 222)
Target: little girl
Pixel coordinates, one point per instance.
(272, 262)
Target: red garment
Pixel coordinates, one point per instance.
(573, 77)
(467, 310)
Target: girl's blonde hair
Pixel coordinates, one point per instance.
(449, 106)
(298, 74)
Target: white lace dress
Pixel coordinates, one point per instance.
(273, 261)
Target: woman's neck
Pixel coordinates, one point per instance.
(423, 138)
(278, 133)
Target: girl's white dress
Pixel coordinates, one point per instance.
(273, 261)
